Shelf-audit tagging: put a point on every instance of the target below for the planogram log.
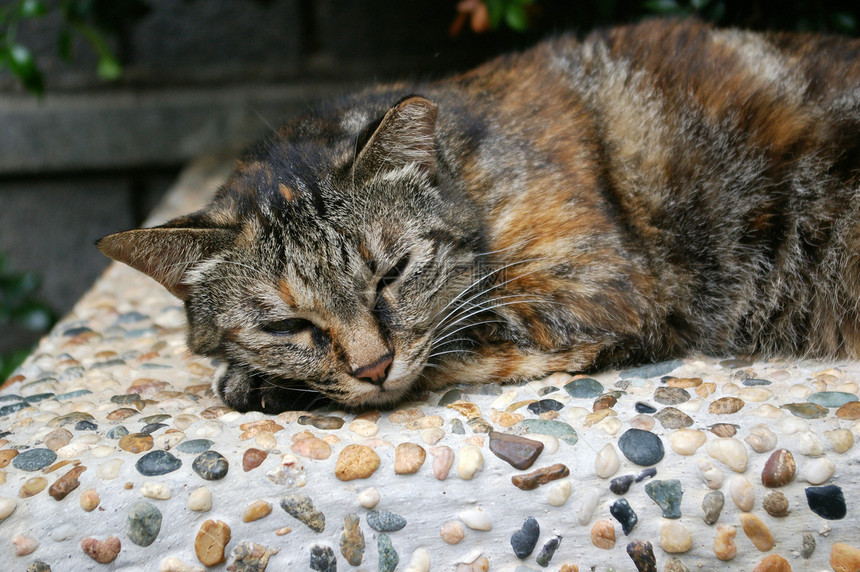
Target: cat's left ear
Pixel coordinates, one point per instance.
(166, 254)
(404, 137)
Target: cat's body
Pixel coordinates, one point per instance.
(647, 192)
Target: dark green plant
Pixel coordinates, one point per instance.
(20, 306)
(95, 21)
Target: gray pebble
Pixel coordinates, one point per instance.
(143, 523)
(195, 446)
(388, 558)
(322, 559)
(34, 459)
(157, 463)
(712, 505)
(525, 539)
(384, 521)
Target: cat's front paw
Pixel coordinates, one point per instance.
(245, 390)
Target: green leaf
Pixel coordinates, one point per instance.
(109, 68)
(496, 10)
(32, 9)
(516, 17)
(20, 61)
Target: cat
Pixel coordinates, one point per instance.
(646, 192)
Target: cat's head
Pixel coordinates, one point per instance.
(325, 262)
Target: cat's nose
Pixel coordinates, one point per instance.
(376, 372)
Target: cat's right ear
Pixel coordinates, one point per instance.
(166, 254)
(404, 137)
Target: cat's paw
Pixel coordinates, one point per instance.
(244, 390)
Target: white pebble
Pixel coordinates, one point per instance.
(63, 532)
(840, 439)
(174, 564)
(687, 441)
(505, 399)
(810, 445)
(850, 387)
(800, 391)
(7, 506)
(550, 442)
(731, 389)
(642, 421)
(109, 469)
(606, 463)
(559, 493)
(200, 499)
(419, 561)
(184, 421)
(249, 417)
(819, 471)
(767, 411)
(432, 435)
(755, 394)
(691, 405)
(155, 491)
(102, 451)
(675, 538)
(791, 425)
(369, 497)
(266, 441)
(761, 439)
(730, 451)
(588, 506)
(212, 428)
(364, 427)
(611, 425)
(74, 449)
(576, 414)
(167, 441)
(712, 476)
(471, 461)
(476, 519)
(742, 493)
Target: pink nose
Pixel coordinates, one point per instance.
(376, 372)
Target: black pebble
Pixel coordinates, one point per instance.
(151, 428)
(641, 447)
(642, 554)
(547, 551)
(524, 540)
(322, 559)
(646, 474)
(85, 425)
(642, 407)
(210, 465)
(624, 513)
(827, 502)
(544, 405)
(620, 485)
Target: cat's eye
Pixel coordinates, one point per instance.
(287, 327)
(394, 274)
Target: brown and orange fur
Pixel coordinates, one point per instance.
(649, 191)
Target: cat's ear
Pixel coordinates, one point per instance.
(166, 254)
(403, 137)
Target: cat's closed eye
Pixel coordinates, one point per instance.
(394, 274)
(289, 327)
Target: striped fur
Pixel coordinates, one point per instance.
(646, 192)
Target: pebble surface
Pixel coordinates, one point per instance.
(105, 428)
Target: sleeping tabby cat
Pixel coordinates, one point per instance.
(647, 192)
